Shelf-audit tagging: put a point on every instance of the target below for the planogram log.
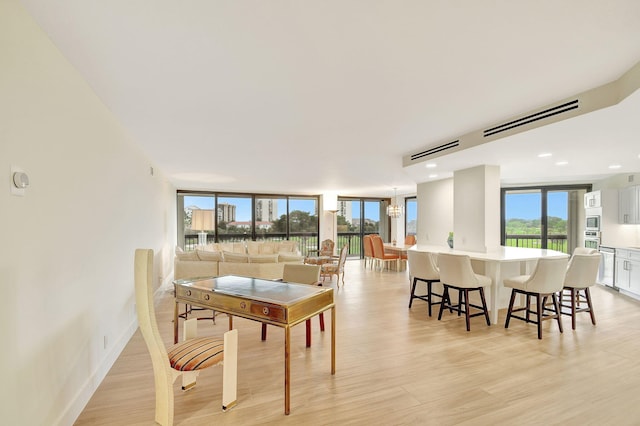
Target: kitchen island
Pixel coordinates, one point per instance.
(497, 264)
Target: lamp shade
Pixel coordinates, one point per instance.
(330, 201)
(201, 219)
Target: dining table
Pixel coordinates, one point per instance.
(498, 263)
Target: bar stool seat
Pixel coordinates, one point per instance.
(580, 275)
(546, 280)
(456, 273)
(423, 268)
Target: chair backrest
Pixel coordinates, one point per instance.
(422, 265)
(584, 250)
(582, 271)
(326, 248)
(302, 274)
(367, 246)
(409, 240)
(456, 270)
(343, 257)
(143, 273)
(548, 275)
(378, 246)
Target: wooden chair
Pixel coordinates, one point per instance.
(379, 254)
(326, 250)
(410, 240)
(456, 273)
(581, 274)
(184, 359)
(335, 268)
(367, 247)
(546, 280)
(301, 274)
(423, 268)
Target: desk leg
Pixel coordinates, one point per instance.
(333, 340)
(175, 323)
(287, 369)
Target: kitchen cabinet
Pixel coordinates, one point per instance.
(628, 207)
(627, 276)
(592, 199)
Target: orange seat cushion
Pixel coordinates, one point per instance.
(195, 354)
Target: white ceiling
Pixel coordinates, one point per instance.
(310, 96)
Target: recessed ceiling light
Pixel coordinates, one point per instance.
(430, 165)
(562, 163)
(545, 154)
(615, 166)
(433, 176)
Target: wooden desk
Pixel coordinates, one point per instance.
(494, 261)
(271, 302)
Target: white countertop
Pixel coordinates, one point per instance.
(501, 254)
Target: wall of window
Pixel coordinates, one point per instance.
(206, 217)
(546, 217)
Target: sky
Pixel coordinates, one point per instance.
(527, 205)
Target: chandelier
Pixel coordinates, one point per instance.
(394, 210)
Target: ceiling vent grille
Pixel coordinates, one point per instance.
(541, 115)
(435, 150)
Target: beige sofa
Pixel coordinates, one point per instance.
(258, 259)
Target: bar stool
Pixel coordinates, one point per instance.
(546, 280)
(580, 275)
(423, 268)
(456, 273)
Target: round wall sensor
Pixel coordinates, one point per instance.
(20, 180)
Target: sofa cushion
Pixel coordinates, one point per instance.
(209, 255)
(263, 258)
(288, 247)
(253, 247)
(289, 258)
(235, 257)
(186, 255)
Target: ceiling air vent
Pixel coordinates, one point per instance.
(435, 150)
(541, 115)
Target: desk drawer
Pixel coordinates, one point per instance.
(226, 303)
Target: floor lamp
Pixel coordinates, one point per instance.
(201, 220)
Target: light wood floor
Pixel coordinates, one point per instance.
(397, 366)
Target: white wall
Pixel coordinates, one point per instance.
(66, 258)
(435, 212)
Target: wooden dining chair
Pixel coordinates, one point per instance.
(335, 268)
(186, 358)
(301, 274)
(379, 254)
